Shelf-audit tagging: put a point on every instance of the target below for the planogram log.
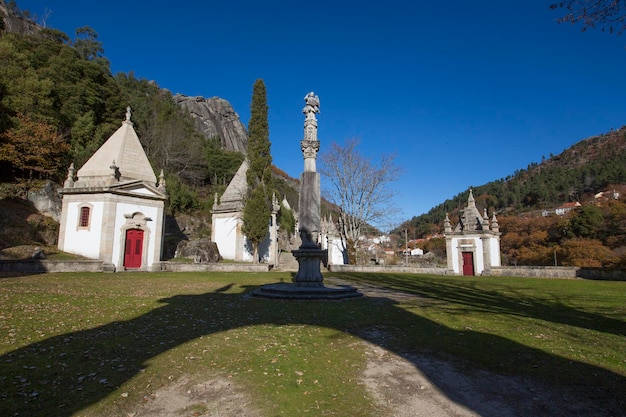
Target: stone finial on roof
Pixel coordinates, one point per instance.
(128, 115)
(470, 200)
(69, 181)
(494, 223)
(275, 204)
(446, 225)
(485, 222)
(161, 184)
(286, 203)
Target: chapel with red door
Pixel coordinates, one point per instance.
(473, 246)
(113, 206)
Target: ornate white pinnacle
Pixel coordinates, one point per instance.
(310, 145)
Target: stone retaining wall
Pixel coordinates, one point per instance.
(28, 266)
(388, 269)
(212, 267)
(566, 272)
(535, 271)
(569, 272)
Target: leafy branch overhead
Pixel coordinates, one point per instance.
(608, 15)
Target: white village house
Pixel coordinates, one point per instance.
(473, 247)
(114, 209)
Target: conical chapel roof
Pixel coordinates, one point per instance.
(232, 199)
(121, 155)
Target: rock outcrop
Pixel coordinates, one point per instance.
(216, 117)
(12, 19)
(46, 200)
(201, 250)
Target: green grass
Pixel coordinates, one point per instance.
(72, 344)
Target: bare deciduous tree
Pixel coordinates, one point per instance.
(606, 14)
(360, 187)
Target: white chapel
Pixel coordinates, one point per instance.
(227, 223)
(114, 209)
(473, 247)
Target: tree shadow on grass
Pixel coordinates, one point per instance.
(555, 309)
(64, 374)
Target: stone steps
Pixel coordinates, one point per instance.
(287, 262)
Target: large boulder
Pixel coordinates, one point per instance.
(216, 117)
(200, 250)
(46, 200)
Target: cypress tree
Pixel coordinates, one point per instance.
(257, 210)
(259, 158)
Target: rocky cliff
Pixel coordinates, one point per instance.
(12, 19)
(216, 117)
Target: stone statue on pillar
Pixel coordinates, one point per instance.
(308, 283)
(310, 253)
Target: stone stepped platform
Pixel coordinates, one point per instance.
(287, 262)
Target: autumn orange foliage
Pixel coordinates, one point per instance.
(32, 149)
(554, 240)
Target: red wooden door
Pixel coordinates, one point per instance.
(133, 249)
(468, 263)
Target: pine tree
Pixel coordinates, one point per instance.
(257, 211)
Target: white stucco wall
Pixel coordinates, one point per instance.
(479, 257)
(454, 254)
(84, 242)
(335, 252)
(495, 251)
(225, 230)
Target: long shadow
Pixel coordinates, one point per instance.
(67, 370)
(519, 304)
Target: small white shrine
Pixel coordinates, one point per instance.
(114, 209)
(227, 224)
(473, 247)
(332, 242)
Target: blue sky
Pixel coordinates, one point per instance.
(463, 92)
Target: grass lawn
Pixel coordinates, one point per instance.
(96, 344)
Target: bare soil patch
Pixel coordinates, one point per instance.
(214, 398)
(425, 386)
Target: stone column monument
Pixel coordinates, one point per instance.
(310, 254)
(308, 282)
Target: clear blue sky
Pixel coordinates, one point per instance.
(463, 92)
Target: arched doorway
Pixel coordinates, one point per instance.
(133, 250)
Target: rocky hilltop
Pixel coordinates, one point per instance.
(216, 117)
(13, 20)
